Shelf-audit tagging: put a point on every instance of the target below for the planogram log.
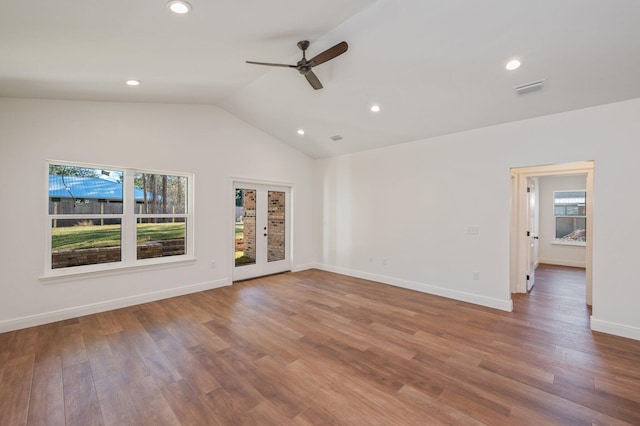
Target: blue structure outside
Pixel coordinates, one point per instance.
(89, 188)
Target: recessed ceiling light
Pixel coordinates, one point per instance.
(513, 64)
(179, 6)
(300, 131)
(375, 108)
(133, 82)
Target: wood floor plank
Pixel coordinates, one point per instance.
(191, 308)
(126, 361)
(24, 342)
(227, 408)
(72, 349)
(284, 349)
(189, 367)
(108, 322)
(150, 403)
(267, 413)
(364, 334)
(314, 347)
(331, 394)
(46, 404)
(234, 375)
(436, 411)
(81, 405)
(116, 402)
(618, 386)
(288, 392)
(15, 390)
(161, 368)
(189, 406)
(101, 359)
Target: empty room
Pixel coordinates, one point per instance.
(362, 212)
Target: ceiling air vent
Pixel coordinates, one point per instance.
(335, 137)
(529, 87)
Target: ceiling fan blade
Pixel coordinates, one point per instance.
(271, 64)
(313, 80)
(329, 54)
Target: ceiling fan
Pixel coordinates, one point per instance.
(304, 65)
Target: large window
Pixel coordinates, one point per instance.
(569, 209)
(103, 217)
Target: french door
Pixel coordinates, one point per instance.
(262, 228)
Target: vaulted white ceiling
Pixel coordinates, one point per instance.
(433, 66)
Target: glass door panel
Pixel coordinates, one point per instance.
(245, 227)
(276, 226)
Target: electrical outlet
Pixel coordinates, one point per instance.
(371, 260)
(476, 275)
(213, 264)
(384, 261)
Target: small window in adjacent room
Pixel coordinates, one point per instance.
(569, 209)
(104, 217)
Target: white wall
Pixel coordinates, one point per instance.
(400, 214)
(203, 140)
(550, 251)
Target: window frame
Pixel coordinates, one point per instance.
(556, 216)
(128, 224)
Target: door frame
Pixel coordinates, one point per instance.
(233, 182)
(518, 222)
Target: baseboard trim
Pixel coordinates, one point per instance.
(303, 267)
(490, 302)
(615, 329)
(94, 308)
(564, 262)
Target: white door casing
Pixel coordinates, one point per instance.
(520, 242)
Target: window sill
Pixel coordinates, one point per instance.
(107, 269)
(569, 243)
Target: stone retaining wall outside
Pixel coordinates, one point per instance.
(93, 256)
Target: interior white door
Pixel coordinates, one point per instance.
(532, 231)
(262, 230)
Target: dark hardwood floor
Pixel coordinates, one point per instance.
(314, 348)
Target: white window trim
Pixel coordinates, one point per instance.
(128, 226)
(569, 243)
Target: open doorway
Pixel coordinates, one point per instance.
(525, 217)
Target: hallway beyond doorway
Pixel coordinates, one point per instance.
(558, 297)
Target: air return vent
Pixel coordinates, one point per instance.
(529, 87)
(335, 137)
